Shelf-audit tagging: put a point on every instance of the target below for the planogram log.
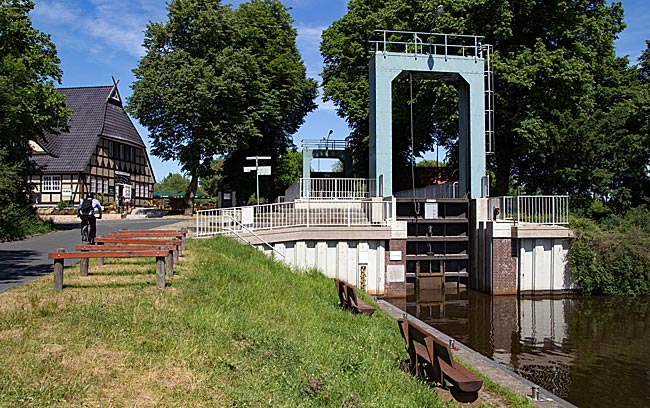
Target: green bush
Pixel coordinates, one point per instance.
(62, 204)
(611, 257)
(18, 222)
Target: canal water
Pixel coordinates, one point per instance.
(591, 351)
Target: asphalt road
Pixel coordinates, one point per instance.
(26, 260)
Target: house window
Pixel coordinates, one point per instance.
(51, 184)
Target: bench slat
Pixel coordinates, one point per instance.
(136, 241)
(129, 248)
(106, 254)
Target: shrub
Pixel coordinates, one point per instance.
(611, 257)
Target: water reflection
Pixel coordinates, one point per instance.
(593, 352)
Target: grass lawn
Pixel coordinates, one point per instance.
(234, 328)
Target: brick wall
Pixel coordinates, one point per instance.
(504, 277)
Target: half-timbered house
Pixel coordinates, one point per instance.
(101, 153)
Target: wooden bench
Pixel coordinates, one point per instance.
(349, 299)
(142, 241)
(172, 259)
(433, 357)
(179, 234)
(60, 256)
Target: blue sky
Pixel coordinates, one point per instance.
(97, 39)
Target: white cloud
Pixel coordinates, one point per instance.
(308, 43)
(106, 26)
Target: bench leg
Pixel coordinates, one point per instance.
(83, 267)
(170, 266)
(100, 261)
(58, 274)
(160, 272)
(183, 243)
(176, 255)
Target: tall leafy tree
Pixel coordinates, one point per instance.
(196, 90)
(29, 105)
(644, 64)
(286, 93)
(560, 91)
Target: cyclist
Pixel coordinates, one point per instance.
(86, 211)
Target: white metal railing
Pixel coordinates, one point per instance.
(335, 188)
(422, 43)
(294, 214)
(255, 235)
(551, 210)
(325, 144)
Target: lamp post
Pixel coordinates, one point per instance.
(328, 139)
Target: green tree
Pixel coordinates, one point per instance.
(196, 90)
(288, 170)
(174, 183)
(214, 183)
(286, 94)
(644, 63)
(29, 106)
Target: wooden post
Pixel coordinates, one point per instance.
(170, 265)
(160, 272)
(58, 272)
(176, 255)
(83, 267)
(169, 262)
(100, 261)
(183, 242)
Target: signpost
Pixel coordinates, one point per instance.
(259, 170)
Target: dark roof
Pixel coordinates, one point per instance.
(95, 115)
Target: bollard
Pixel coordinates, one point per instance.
(535, 392)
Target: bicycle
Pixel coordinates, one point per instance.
(85, 227)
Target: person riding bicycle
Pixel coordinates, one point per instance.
(88, 207)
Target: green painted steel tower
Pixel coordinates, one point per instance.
(455, 58)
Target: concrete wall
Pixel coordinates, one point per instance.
(360, 262)
(522, 258)
(543, 266)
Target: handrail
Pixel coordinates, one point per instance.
(548, 210)
(410, 42)
(250, 231)
(305, 213)
(325, 144)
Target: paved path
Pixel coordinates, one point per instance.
(26, 260)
